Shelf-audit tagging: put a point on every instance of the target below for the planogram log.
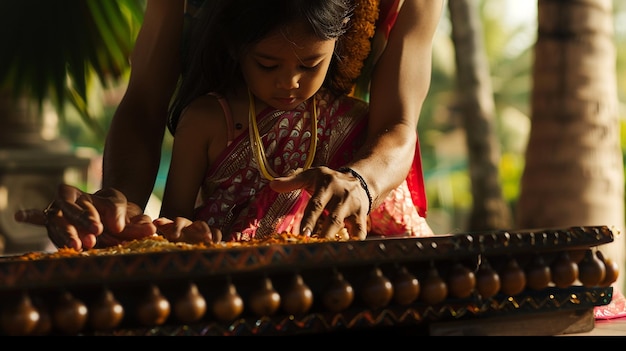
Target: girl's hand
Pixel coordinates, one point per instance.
(184, 230)
(337, 201)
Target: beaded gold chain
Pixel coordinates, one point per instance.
(257, 145)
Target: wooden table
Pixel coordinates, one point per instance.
(350, 282)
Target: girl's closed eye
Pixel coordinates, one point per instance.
(311, 68)
(266, 67)
(303, 67)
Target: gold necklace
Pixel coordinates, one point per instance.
(257, 145)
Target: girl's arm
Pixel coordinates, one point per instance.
(190, 159)
(201, 136)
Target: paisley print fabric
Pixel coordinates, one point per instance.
(236, 197)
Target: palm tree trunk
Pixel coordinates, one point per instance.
(475, 99)
(574, 168)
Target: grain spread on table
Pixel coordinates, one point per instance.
(157, 243)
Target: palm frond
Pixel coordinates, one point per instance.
(51, 48)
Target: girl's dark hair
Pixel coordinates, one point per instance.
(224, 28)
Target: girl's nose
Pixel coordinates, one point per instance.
(288, 81)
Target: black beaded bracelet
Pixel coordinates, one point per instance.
(363, 184)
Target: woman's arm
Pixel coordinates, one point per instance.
(132, 151)
(399, 85)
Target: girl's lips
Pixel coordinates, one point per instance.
(286, 101)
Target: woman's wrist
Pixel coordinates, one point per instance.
(356, 175)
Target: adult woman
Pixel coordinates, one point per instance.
(400, 79)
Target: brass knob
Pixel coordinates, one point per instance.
(20, 318)
(106, 312)
(154, 308)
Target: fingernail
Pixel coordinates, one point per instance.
(306, 232)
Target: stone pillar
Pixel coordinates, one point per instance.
(34, 160)
(29, 179)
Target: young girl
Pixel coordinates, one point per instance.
(266, 95)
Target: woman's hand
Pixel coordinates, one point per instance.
(184, 230)
(82, 221)
(337, 201)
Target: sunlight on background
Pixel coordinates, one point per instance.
(521, 11)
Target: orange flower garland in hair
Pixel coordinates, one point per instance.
(357, 43)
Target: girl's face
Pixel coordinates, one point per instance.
(285, 69)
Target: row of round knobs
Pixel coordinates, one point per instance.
(71, 315)
(589, 268)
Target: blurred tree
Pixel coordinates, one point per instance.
(476, 106)
(507, 45)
